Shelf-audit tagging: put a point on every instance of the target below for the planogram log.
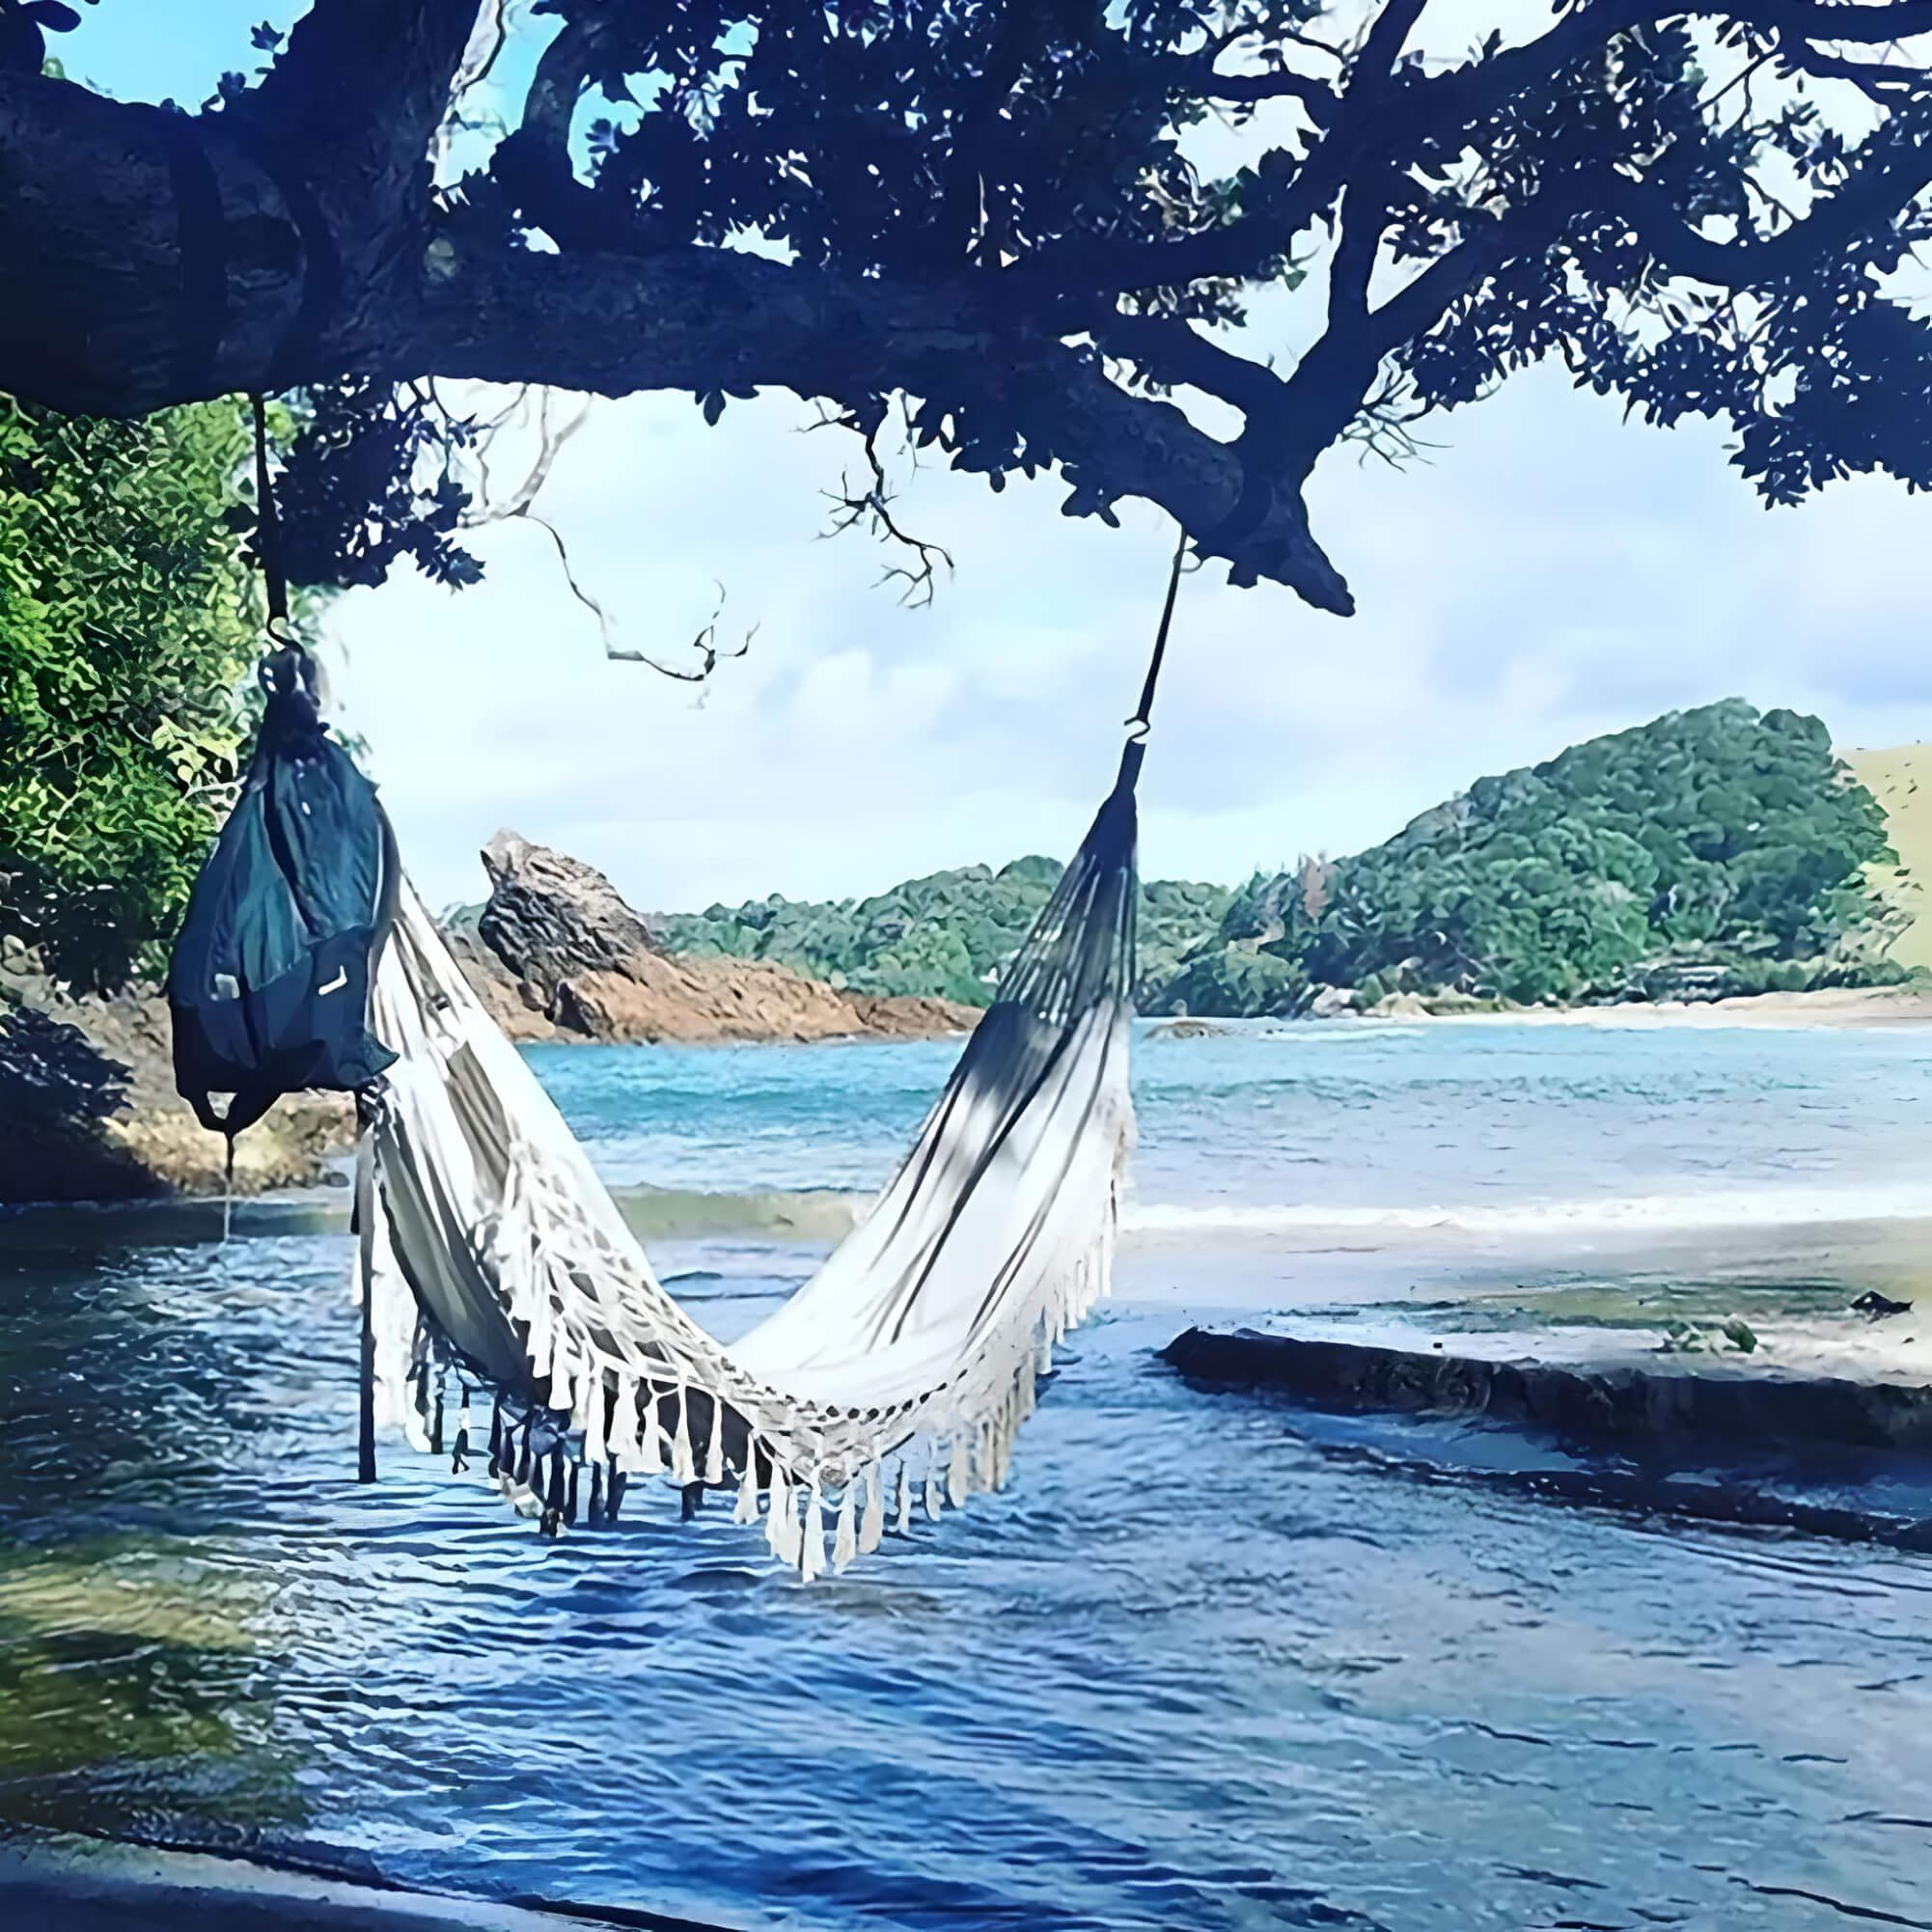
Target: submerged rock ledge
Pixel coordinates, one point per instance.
(1662, 1400)
(1711, 1441)
(63, 1882)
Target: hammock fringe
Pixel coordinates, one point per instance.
(899, 1375)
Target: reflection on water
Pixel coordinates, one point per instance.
(1194, 1670)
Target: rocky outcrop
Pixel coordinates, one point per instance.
(559, 955)
(87, 1108)
(551, 917)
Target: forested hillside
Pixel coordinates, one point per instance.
(947, 934)
(1709, 850)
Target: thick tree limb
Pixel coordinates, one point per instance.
(319, 251)
(1878, 187)
(709, 318)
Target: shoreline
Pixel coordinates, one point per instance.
(65, 1882)
(1829, 1008)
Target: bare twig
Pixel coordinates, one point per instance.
(551, 436)
(706, 643)
(870, 507)
(494, 21)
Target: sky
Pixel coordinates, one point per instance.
(1545, 573)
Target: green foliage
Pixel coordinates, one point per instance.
(1231, 981)
(1711, 848)
(127, 622)
(948, 935)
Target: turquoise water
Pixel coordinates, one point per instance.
(1204, 1665)
(1336, 1126)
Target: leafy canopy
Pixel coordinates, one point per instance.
(129, 619)
(1008, 229)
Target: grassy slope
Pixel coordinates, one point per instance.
(1900, 778)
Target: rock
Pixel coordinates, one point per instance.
(550, 918)
(560, 955)
(1732, 1405)
(661, 999)
(1330, 1002)
(89, 1112)
(1736, 1449)
(516, 1006)
(911, 1015)
(1400, 1006)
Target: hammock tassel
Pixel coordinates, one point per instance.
(653, 1450)
(623, 1422)
(747, 1510)
(777, 1540)
(683, 1465)
(595, 1419)
(934, 1502)
(873, 1521)
(812, 1549)
(460, 1461)
(902, 1501)
(593, 1514)
(552, 1521)
(845, 1543)
(714, 1446)
(958, 1470)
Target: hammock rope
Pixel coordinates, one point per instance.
(895, 1380)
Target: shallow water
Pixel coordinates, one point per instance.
(1206, 1664)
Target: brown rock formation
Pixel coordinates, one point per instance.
(550, 918)
(560, 955)
(87, 1108)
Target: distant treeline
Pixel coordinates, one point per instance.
(1712, 850)
(947, 934)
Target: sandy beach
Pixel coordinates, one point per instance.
(1831, 1007)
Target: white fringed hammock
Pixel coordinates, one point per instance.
(894, 1381)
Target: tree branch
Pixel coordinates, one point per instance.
(356, 99)
(710, 318)
(1882, 184)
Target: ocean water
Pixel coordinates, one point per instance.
(1372, 1129)
(1204, 1665)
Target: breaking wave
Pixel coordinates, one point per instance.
(1648, 1214)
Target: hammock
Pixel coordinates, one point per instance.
(894, 1381)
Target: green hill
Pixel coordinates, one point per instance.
(947, 934)
(1712, 850)
(1709, 852)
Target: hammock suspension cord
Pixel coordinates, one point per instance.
(1141, 721)
(286, 667)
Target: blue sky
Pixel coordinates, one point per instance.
(1549, 572)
